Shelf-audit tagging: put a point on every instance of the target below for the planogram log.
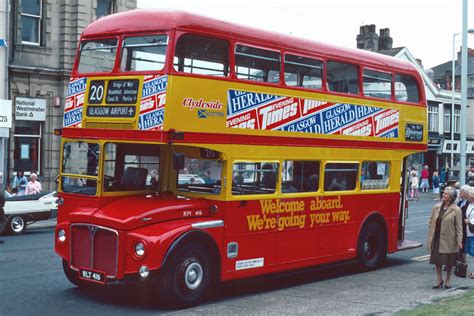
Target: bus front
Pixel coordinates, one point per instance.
(123, 180)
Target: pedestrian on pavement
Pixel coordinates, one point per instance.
(19, 182)
(425, 184)
(470, 177)
(442, 181)
(469, 249)
(414, 186)
(33, 186)
(463, 205)
(435, 181)
(3, 220)
(445, 236)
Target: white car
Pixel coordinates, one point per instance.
(186, 178)
(23, 209)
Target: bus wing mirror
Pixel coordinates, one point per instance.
(178, 161)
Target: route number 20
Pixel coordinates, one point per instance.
(96, 91)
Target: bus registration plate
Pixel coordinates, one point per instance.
(93, 276)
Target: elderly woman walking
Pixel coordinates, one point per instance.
(445, 236)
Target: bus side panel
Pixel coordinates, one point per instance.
(300, 232)
(255, 238)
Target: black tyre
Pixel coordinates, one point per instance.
(372, 246)
(187, 278)
(71, 275)
(16, 225)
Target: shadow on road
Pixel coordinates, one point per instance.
(138, 297)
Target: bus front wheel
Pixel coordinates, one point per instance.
(186, 278)
(371, 246)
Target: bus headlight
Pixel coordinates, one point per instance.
(140, 249)
(62, 235)
(144, 271)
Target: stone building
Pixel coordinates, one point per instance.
(442, 75)
(43, 41)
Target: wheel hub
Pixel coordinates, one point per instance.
(17, 224)
(193, 276)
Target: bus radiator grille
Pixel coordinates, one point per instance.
(95, 248)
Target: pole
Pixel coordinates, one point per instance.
(453, 82)
(462, 169)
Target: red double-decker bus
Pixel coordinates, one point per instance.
(196, 151)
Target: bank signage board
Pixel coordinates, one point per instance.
(27, 109)
(6, 113)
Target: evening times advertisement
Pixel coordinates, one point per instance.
(250, 110)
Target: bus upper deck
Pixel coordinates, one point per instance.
(213, 79)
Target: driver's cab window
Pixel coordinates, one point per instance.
(80, 166)
(131, 167)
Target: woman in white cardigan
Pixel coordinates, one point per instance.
(469, 249)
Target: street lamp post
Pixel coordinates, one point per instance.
(462, 169)
(453, 83)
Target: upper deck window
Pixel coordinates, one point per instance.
(97, 55)
(144, 53)
(377, 84)
(202, 55)
(342, 77)
(406, 89)
(257, 64)
(303, 72)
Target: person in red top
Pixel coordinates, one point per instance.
(425, 174)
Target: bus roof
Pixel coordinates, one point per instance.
(141, 21)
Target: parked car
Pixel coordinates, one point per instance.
(186, 178)
(23, 210)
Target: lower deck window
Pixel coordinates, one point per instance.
(375, 175)
(300, 176)
(254, 178)
(200, 176)
(340, 176)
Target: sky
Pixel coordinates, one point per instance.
(425, 27)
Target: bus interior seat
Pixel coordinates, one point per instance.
(134, 178)
(313, 183)
(269, 177)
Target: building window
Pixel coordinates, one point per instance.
(27, 149)
(433, 118)
(447, 120)
(104, 7)
(31, 19)
(457, 120)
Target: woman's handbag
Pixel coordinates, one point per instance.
(471, 227)
(460, 268)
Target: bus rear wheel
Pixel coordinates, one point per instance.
(187, 277)
(371, 246)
